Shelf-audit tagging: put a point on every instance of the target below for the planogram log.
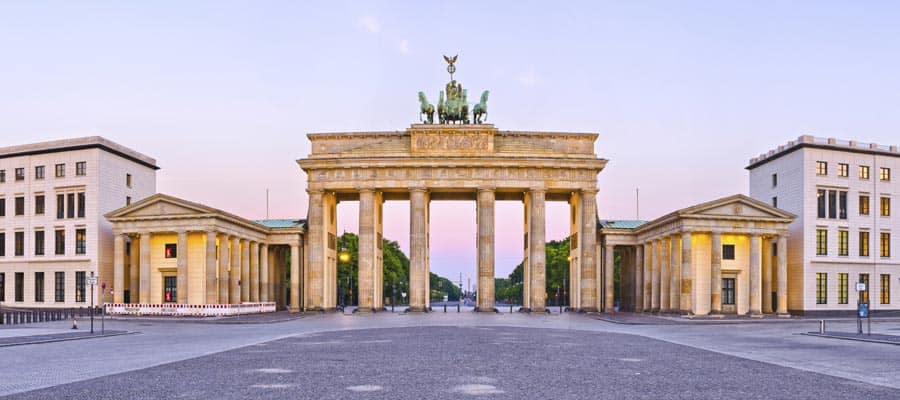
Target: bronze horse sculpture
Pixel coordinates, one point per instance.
(480, 109)
(425, 108)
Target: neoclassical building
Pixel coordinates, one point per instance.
(724, 256)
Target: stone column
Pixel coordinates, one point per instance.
(674, 273)
(782, 276)
(537, 255)
(212, 294)
(118, 269)
(664, 276)
(716, 274)
(485, 222)
(134, 271)
(766, 276)
(295, 278)
(264, 272)
(654, 276)
(638, 278)
(316, 240)
(648, 277)
(234, 289)
(181, 261)
(588, 245)
(254, 272)
(145, 268)
(224, 269)
(526, 262)
(418, 250)
(755, 276)
(366, 250)
(245, 270)
(608, 272)
(687, 274)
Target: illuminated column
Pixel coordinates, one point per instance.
(782, 275)
(654, 302)
(316, 243)
(716, 274)
(766, 276)
(664, 275)
(295, 277)
(181, 262)
(537, 256)
(638, 278)
(134, 271)
(755, 276)
(367, 249)
(264, 272)
(589, 297)
(485, 223)
(145, 267)
(674, 273)
(212, 294)
(648, 277)
(254, 272)
(608, 272)
(245, 270)
(118, 268)
(224, 268)
(234, 289)
(687, 274)
(417, 249)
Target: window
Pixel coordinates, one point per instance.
(79, 286)
(775, 201)
(60, 170)
(843, 243)
(39, 287)
(821, 168)
(80, 245)
(2, 207)
(843, 170)
(821, 242)
(728, 252)
(843, 279)
(774, 180)
(128, 180)
(821, 288)
(20, 243)
(885, 244)
(864, 172)
(38, 243)
(863, 244)
(832, 204)
(728, 291)
(2, 244)
(20, 174)
(2, 176)
(60, 242)
(820, 199)
(59, 287)
(842, 205)
(170, 292)
(885, 289)
(81, 168)
(60, 206)
(863, 205)
(70, 205)
(885, 206)
(127, 200)
(20, 206)
(20, 286)
(39, 172)
(885, 174)
(864, 295)
(171, 250)
(81, 205)
(39, 204)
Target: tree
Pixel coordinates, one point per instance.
(557, 274)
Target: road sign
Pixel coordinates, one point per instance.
(863, 310)
(92, 280)
(861, 287)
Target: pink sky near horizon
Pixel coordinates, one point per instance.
(222, 94)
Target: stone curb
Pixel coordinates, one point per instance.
(68, 339)
(856, 339)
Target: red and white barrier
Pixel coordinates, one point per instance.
(190, 310)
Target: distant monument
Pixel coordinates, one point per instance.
(454, 108)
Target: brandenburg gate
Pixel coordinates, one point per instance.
(454, 159)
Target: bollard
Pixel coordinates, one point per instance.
(822, 326)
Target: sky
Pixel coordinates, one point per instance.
(222, 94)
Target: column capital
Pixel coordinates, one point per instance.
(365, 189)
(418, 189)
(537, 190)
(486, 189)
(589, 191)
(315, 191)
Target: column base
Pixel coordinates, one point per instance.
(586, 310)
(412, 309)
(486, 309)
(366, 310)
(756, 314)
(783, 315)
(654, 310)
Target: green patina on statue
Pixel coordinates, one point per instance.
(454, 108)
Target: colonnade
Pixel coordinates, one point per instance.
(322, 249)
(234, 268)
(681, 272)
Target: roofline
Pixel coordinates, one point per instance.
(92, 142)
(820, 146)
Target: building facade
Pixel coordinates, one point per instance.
(52, 232)
(844, 194)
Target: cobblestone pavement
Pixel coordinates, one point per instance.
(455, 362)
(55, 337)
(31, 367)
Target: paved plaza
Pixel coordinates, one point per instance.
(452, 355)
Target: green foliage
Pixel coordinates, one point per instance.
(441, 286)
(557, 270)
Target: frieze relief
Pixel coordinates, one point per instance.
(454, 173)
(452, 142)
